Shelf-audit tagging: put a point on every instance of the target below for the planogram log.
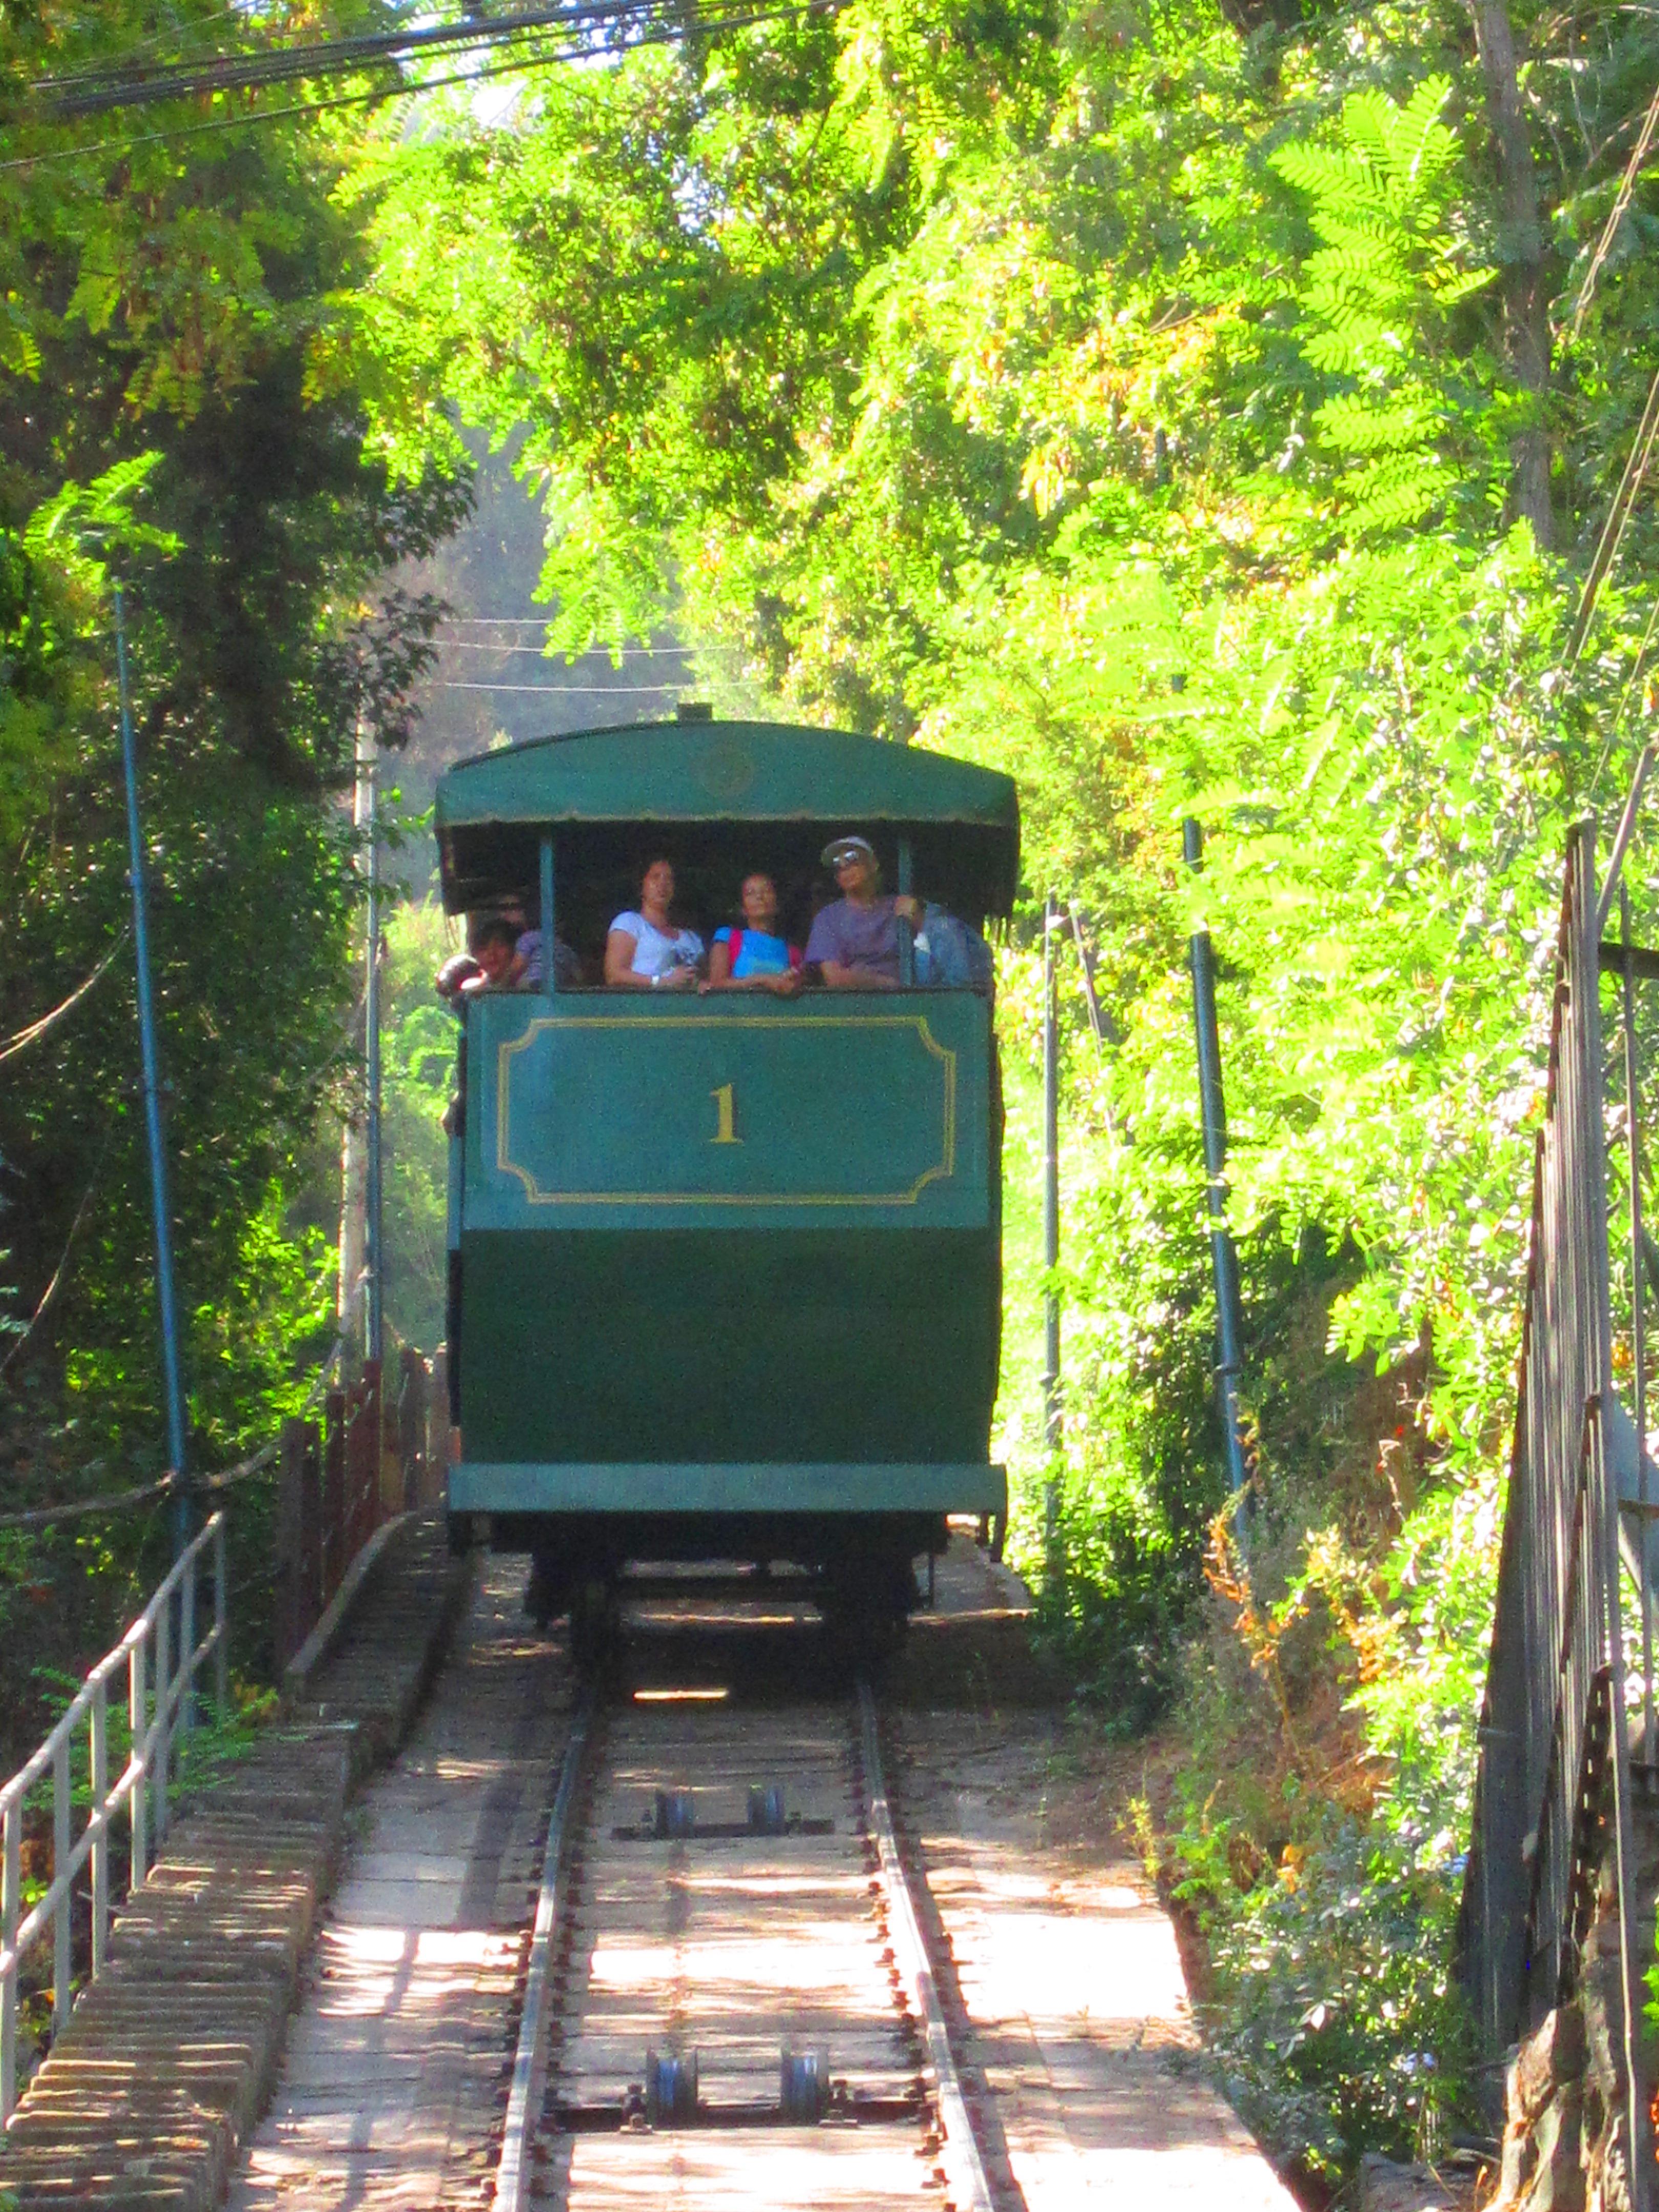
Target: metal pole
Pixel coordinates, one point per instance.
(373, 1248)
(1638, 1333)
(907, 935)
(98, 1771)
(1213, 1113)
(221, 1622)
(1051, 1411)
(11, 1911)
(550, 982)
(173, 1387)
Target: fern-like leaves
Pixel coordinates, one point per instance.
(1385, 274)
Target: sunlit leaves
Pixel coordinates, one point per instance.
(1377, 291)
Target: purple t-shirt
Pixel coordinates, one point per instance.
(857, 937)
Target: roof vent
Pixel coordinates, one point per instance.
(693, 710)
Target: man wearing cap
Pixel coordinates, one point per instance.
(854, 940)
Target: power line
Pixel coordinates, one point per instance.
(537, 653)
(664, 36)
(667, 34)
(1615, 214)
(565, 690)
(1612, 530)
(37, 1030)
(92, 92)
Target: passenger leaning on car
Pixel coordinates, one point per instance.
(644, 951)
(754, 958)
(495, 949)
(854, 940)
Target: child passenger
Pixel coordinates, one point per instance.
(754, 958)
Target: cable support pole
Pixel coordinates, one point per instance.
(1223, 1259)
(1052, 1421)
(1637, 1319)
(373, 1249)
(172, 1387)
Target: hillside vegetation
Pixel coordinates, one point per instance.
(1205, 410)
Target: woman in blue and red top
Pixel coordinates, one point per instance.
(754, 958)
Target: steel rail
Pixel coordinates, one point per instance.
(523, 2098)
(912, 1955)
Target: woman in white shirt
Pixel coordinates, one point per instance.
(643, 951)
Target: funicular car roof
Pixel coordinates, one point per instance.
(725, 772)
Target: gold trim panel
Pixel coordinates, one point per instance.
(943, 1168)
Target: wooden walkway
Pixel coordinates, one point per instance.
(393, 2081)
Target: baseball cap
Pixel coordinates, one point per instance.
(845, 848)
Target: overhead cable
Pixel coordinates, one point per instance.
(1612, 530)
(565, 691)
(57, 1275)
(668, 34)
(171, 1484)
(1616, 213)
(93, 92)
(24, 1038)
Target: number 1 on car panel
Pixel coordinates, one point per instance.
(724, 1125)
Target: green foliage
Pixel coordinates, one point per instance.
(1117, 398)
(418, 1055)
(179, 414)
(1380, 291)
(1341, 2028)
(1125, 403)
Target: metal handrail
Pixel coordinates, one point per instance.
(160, 1702)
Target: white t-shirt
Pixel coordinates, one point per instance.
(657, 952)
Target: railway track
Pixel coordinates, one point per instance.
(728, 1996)
(478, 2018)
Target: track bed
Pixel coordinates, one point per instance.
(446, 2056)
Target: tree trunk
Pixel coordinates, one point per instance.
(1526, 290)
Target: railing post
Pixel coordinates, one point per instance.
(1638, 1320)
(1051, 1432)
(366, 1460)
(1223, 1259)
(187, 1644)
(137, 1727)
(11, 1892)
(221, 1623)
(62, 1968)
(334, 1469)
(98, 1775)
(412, 1425)
(291, 1625)
(163, 1657)
(162, 1726)
(311, 1531)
